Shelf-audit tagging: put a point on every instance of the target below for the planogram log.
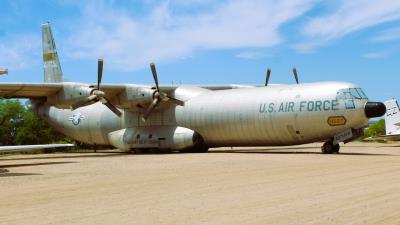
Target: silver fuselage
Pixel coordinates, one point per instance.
(260, 116)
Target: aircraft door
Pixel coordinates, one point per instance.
(294, 128)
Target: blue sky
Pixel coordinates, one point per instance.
(209, 42)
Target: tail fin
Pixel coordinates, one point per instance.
(392, 117)
(52, 68)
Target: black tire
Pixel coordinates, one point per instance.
(195, 150)
(201, 149)
(327, 148)
(336, 148)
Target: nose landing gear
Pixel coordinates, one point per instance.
(330, 148)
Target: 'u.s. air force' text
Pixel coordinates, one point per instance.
(303, 106)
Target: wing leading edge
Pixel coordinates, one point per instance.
(43, 90)
(29, 90)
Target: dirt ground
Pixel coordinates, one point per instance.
(290, 185)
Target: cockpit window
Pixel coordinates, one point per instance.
(363, 95)
(354, 93)
(351, 93)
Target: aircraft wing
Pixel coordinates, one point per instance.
(19, 148)
(117, 88)
(384, 138)
(29, 90)
(42, 90)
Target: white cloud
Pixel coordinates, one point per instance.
(374, 55)
(251, 55)
(20, 51)
(387, 35)
(129, 42)
(308, 46)
(350, 16)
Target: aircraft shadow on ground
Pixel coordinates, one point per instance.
(281, 151)
(33, 164)
(390, 146)
(18, 174)
(292, 150)
(81, 155)
(5, 172)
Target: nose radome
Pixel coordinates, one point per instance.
(375, 109)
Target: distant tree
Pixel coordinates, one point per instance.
(11, 113)
(375, 129)
(20, 125)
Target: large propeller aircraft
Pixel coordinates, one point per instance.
(195, 118)
(3, 71)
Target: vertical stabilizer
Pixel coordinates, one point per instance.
(52, 68)
(392, 117)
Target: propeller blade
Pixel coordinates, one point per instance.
(296, 77)
(154, 71)
(176, 101)
(85, 102)
(99, 72)
(268, 76)
(112, 107)
(150, 109)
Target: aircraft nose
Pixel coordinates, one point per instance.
(375, 109)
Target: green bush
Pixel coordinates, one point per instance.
(375, 129)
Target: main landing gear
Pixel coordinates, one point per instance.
(330, 148)
(197, 149)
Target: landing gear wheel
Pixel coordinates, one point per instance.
(336, 148)
(201, 149)
(198, 145)
(195, 150)
(330, 148)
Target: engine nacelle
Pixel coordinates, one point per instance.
(136, 97)
(70, 94)
(174, 138)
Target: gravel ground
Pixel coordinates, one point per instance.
(290, 185)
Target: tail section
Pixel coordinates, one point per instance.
(392, 117)
(52, 68)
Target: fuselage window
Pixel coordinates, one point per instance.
(350, 104)
(340, 95)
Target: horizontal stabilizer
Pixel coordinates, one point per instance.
(392, 117)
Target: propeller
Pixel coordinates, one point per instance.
(296, 77)
(158, 95)
(97, 94)
(99, 72)
(268, 76)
